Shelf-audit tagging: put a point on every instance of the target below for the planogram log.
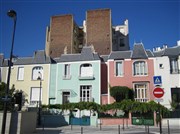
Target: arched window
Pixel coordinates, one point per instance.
(86, 70)
(140, 68)
(37, 72)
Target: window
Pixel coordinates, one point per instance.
(67, 71)
(86, 70)
(174, 66)
(122, 44)
(175, 96)
(34, 95)
(140, 68)
(119, 68)
(20, 75)
(141, 92)
(65, 97)
(36, 71)
(161, 66)
(85, 93)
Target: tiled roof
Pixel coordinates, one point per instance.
(149, 53)
(85, 55)
(170, 52)
(158, 53)
(173, 51)
(104, 58)
(39, 58)
(139, 52)
(120, 55)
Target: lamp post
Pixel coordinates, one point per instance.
(12, 14)
(39, 109)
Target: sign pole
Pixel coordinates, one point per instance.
(160, 125)
(158, 93)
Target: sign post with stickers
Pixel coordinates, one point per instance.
(158, 93)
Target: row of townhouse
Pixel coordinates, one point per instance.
(87, 76)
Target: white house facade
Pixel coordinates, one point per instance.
(167, 65)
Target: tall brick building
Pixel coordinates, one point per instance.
(65, 36)
(99, 30)
(62, 36)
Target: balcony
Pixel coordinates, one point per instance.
(86, 77)
(174, 71)
(142, 99)
(66, 77)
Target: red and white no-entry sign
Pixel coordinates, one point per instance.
(158, 92)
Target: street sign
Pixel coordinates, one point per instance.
(158, 100)
(157, 80)
(158, 92)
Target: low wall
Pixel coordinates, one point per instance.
(8, 118)
(172, 122)
(115, 121)
(28, 122)
(54, 120)
(20, 122)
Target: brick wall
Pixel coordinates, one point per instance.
(99, 32)
(61, 30)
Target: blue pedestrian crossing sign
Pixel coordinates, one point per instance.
(157, 80)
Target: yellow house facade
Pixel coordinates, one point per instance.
(31, 75)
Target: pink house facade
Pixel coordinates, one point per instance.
(134, 69)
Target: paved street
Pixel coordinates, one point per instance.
(106, 130)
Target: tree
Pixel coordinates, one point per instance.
(16, 97)
(3, 87)
(120, 93)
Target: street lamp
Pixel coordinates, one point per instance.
(12, 14)
(39, 110)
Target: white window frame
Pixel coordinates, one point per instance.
(84, 91)
(141, 94)
(117, 69)
(20, 75)
(174, 65)
(140, 69)
(36, 71)
(67, 71)
(86, 71)
(34, 100)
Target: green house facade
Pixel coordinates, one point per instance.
(76, 78)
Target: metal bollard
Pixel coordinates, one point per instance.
(119, 129)
(127, 123)
(145, 128)
(71, 126)
(123, 124)
(168, 127)
(81, 130)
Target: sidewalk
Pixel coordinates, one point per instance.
(105, 130)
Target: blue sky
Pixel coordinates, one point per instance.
(153, 22)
